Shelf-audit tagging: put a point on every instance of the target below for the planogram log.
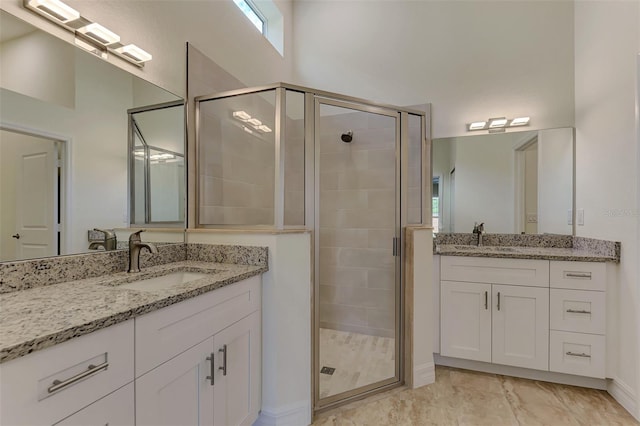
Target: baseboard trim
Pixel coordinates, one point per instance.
(525, 373)
(424, 374)
(625, 396)
(295, 414)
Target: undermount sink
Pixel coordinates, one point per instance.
(161, 282)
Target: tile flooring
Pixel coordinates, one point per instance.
(461, 397)
(358, 359)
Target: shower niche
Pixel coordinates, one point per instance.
(286, 157)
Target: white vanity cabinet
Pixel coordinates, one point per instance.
(578, 318)
(535, 314)
(198, 362)
(48, 386)
(495, 310)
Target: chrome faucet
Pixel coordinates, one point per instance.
(135, 245)
(110, 242)
(479, 231)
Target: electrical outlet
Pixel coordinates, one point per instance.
(570, 217)
(580, 217)
(532, 218)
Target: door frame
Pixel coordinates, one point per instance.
(321, 404)
(519, 149)
(64, 192)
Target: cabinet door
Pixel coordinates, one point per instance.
(521, 326)
(178, 391)
(115, 409)
(465, 311)
(237, 375)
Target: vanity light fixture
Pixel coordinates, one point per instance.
(134, 53)
(478, 125)
(520, 121)
(241, 115)
(162, 156)
(264, 128)
(254, 122)
(100, 34)
(498, 124)
(89, 35)
(55, 9)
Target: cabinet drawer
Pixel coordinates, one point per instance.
(578, 311)
(524, 272)
(40, 388)
(163, 334)
(577, 353)
(115, 409)
(578, 275)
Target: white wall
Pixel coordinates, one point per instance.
(471, 60)
(606, 45)
(555, 180)
(217, 28)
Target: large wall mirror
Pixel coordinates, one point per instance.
(519, 182)
(64, 145)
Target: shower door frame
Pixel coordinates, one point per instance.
(400, 149)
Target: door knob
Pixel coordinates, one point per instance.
(17, 236)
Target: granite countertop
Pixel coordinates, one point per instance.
(41, 317)
(523, 252)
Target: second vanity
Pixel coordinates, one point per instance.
(112, 350)
(535, 312)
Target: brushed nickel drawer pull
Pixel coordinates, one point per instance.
(223, 367)
(582, 355)
(578, 274)
(58, 384)
(211, 358)
(575, 311)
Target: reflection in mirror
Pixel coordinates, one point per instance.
(158, 167)
(64, 123)
(519, 182)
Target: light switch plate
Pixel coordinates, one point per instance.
(570, 217)
(580, 217)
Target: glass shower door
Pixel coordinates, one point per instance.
(357, 258)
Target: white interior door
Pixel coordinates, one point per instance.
(29, 197)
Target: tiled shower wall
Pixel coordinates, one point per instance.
(236, 169)
(357, 219)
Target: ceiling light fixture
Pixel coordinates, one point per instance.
(498, 124)
(55, 9)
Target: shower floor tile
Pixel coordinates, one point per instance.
(358, 359)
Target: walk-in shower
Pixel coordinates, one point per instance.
(350, 170)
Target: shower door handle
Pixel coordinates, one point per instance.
(396, 246)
